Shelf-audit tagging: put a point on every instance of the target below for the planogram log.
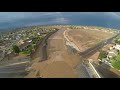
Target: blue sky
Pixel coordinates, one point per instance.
(12, 19)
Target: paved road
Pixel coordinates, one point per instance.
(91, 51)
(105, 72)
(82, 72)
(13, 69)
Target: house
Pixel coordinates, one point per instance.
(111, 48)
(117, 46)
(20, 42)
(112, 53)
(25, 44)
(29, 41)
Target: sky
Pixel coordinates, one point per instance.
(17, 19)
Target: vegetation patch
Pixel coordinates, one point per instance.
(117, 41)
(35, 40)
(102, 55)
(16, 49)
(116, 62)
(118, 37)
(26, 52)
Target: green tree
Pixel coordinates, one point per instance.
(102, 55)
(16, 49)
(116, 41)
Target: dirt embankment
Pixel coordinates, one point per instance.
(40, 53)
(60, 64)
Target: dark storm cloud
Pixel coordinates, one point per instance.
(16, 19)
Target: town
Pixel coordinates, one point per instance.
(23, 41)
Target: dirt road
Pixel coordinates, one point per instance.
(60, 63)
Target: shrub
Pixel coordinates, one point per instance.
(102, 55)
(16, 49)
(116, 41)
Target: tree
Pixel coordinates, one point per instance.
(16, 49)
(102, 55)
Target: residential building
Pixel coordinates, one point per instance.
(112, 53)
(25, 44)
(20, 42)
(117, 46)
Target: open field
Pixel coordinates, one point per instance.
(86, 38)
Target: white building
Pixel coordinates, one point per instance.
(112, 53)
(117, 47)
(29, 41)
(38, 33)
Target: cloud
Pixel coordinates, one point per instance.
(16, 16)
(61, 20)
(115, 15)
